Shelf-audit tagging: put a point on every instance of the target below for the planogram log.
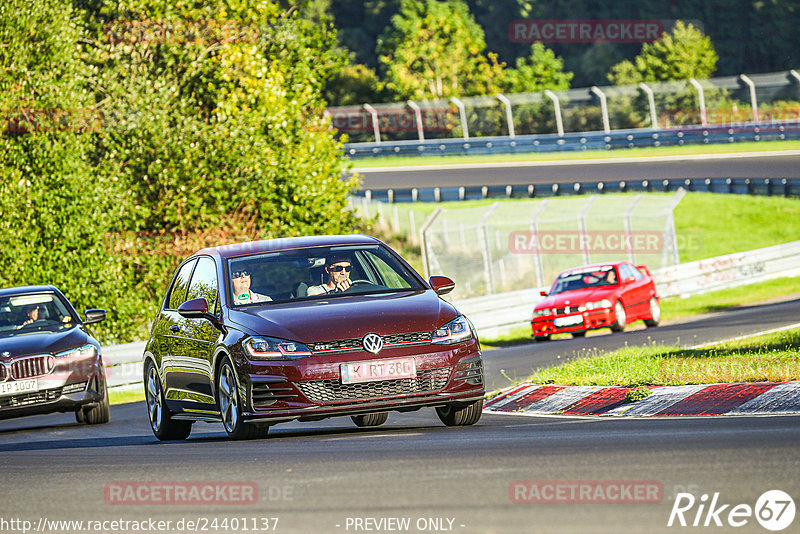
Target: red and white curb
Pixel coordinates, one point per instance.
(752, 398)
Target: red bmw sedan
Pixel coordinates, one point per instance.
(597, 296)
(259, 333)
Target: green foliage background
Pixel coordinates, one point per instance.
(135, 132)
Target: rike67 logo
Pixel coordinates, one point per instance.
(774, 510)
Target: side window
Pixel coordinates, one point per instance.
(637, 273)
(177, 295)
(390, 278)
(204, 282)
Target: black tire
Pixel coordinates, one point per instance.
(579, 334)
(230, 406)
(539, 339)
(619, 317)
(164, 427)
(100, 413)
(655, 313)
(460, 415)
(370, 419)
(80, 417)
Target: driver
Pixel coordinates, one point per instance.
(338, 268)
(31, 314)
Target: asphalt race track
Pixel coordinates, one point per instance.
(659, 168)
(329, 476)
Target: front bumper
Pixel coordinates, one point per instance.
(68, 397)
(446, 377)
(589, 320)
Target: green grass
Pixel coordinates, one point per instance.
(677, 308)
(124, 397)
(767, 358)
(409, 161)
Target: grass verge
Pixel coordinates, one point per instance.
(677, 308)
(124, 397)
(768, 358)
(410, 161)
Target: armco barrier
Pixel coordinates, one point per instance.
(579, 141)
(493, 314)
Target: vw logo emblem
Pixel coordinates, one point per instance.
(373, 343)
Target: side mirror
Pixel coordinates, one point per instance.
(194, 309)
(441, 284)
(543, 293)
(630, 279)
(94, 315)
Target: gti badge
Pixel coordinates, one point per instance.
(373, 343)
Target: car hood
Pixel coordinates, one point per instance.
(347, 317)
(577, 297)
(42, 341)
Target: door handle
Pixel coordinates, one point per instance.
(175, 329)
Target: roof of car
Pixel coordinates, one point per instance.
(23, 290)
(286, 243)
(583, 268)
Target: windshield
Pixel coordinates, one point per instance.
(585, 278)
(315, 273)
(31, 311)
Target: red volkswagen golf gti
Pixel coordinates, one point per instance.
(597, 296)
(307, 328)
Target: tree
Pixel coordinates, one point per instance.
(685, 53)
(436, 49)
(539, 71)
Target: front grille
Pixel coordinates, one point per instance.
(354, 344)
(32, 366)
(332, 390)
(265, 394)
(3, 372)
(35, 397)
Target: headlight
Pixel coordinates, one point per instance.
(455, 331)
(539, 313)
(86, 351)
(605, 303)
(270, 348)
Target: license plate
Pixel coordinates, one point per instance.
(18, 386)
(373, 370)
(569, 321)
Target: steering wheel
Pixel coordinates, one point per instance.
(358, 283)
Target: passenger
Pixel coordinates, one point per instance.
(241, 288)
(611, 278)
(338, 268)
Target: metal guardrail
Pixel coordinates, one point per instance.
(495, 313)
(579, 141)
(785, 187)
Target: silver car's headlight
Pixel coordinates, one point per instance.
(270, 348)
(86, 351)
(455, 331)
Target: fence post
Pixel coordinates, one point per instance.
(412, 222)
(462, 113)
(538, 262)
(486, 248)
(557, 107)
(509, 118)
(702, 97)
(587, 258)
(753, 102)
(652, 101)
(418, 117)
(375, 127)
(629, 227)
(423, 238)
(603, 107)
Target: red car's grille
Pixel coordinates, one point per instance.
(354, 344)
(32, 366)
(24, 399)
(332, 390)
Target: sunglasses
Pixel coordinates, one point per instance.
(337, 268)
(239, 274)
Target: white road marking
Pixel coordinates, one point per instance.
(739, 338)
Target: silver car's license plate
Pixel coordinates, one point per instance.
(18, 386)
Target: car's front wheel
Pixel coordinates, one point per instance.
(100, 413)
(460, 415)
(655, 313)
(230, 406)
(619, 317)
(370, 419)
(164, 426)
